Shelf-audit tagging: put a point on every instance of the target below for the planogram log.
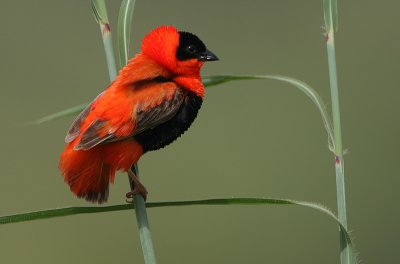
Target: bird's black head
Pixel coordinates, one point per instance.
(191, 47)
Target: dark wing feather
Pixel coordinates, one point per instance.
(74, 130)
(150, 118)
(91, 137)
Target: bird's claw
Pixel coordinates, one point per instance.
(136, 190)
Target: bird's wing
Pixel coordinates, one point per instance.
(149, 117)
(74, 130)
(117, 116)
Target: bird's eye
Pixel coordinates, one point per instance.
(191, 49)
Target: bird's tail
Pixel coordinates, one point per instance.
(86, 173)
(89, 172)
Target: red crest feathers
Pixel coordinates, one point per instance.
(161, 44)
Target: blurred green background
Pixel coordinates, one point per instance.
(252, 138)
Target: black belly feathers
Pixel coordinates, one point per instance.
(173, 117)
(167, 132)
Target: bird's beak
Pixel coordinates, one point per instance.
(208, 56)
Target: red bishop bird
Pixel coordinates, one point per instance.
(151, 103)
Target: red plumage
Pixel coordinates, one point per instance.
(144, 109)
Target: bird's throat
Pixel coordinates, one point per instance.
(192, 83)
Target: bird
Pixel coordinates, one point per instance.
(154, 99)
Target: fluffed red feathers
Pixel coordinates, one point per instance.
(88, 172)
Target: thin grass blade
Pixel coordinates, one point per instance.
(59, 212)
(124, 30)
(67, 112)
(99, 11)
(302, 86)
(66, 211)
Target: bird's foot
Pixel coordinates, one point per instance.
(137, 189)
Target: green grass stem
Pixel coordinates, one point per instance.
(100, 13)
(124, 29)
(330, 14)
(144, 230)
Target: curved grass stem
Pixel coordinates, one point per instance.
(124, 29)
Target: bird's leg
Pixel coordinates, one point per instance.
(138, 187)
